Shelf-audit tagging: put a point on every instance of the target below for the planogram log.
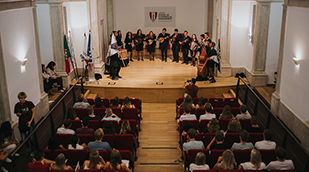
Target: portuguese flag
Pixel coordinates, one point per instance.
(67, 55)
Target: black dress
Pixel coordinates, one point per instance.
(151, 48)
(140, 38)
(128, 46)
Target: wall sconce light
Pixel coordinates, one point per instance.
(24, 61)
(296, 61)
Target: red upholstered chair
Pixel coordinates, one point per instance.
(195, 124)
(199, 112)
(109, 138)
(48, 154)
(64, 139)
(37, 171)
(204, 170)
(254, 137)
(105, 102)
(216, 102)
(229, 171)
(109, 170)
(233, 102)
(217, 111)
(104, 154)
(245, 123)
(120, 101)
(99, 112)
(127, 155)
(195, 100)
(208, 137)
(115, 124)
(213, 156)
(242, 156)
(181, 111)
(90, 101)
(62, 170)
(252, 170)
(81, 112)
(95, 124)
(136, 102)
(179, 101)
(86, 138)
(224, 123)
(125, 142)
(76, 124)
(192, 154)
(74, 156)
(130, 113)
(231, 138)
(281, 170)
(90, 170)
(268, 156)
(235, 111)
(203, 124)
(117, 111)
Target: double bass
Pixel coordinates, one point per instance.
(202, 67)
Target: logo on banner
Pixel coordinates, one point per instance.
(153, 16)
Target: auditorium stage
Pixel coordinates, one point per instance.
(157, 81)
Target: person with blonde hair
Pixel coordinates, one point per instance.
(60, 163)
(226, 161)
(234, 126)
(200, 162)
(95, 161)
(125, 128)
(255, 162)
(110, 116)
(127, 103)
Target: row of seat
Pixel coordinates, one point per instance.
(106, 102)
(215, 102)
(240, 156)
(218, 111)
(81, 170)
(241, 170)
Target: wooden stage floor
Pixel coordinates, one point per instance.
(142, 75)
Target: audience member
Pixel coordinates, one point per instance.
(39, 163)
(125, 128)
(7, 139)
(208, 114)
(127, 103)
(110, 116)
(91, 115)
(54, 77)
(234, 126)
(65, 128)
(75, 143)
(95, 161)
(218, 142)
(201, 102)
(282, 163)
(186, 115)
(226, 161)
(53, 144)
(98, 144)
(255, 162)
(244, 113)
(98, 103)
(187, 102)
(226, 113)
(115, 103)
(243, 145)
(266, 143)
(71, 114)
(81, 103)
(60, 163)
(191, 89)
(108, 128)
(200, 162)
(254, 128)
(212, 126)
(85, 129)
(116, 162)
(192, 143)
(47, 83)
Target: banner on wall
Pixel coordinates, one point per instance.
(160, 16)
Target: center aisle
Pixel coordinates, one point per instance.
(158, 139)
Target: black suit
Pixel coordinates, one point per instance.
(185, 49)
(176, 47)
(163, 46)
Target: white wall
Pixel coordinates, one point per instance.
(273, 41)
(295, 79)
(129, 15)
(45, 35)
(241, 50)
(18, 42)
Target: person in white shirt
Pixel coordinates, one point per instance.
(281, 163)
(244, 113)
(255, 162)
(65, 128)
(200, 162)
(81, 102)
(75, 143)
(186, 115)
(243, 145)
(207, 115)
(266, 143)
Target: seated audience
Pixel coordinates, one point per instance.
(266, 143)
(39, 163)
(98, 103)
(186, 115)
(98, 144)
(125, 128)
(110, 116)
(60, 163)
(188, 102)
(53, 144)
(218, 142)
(108, 128)
(212, 126)
(255, 162)
(200, 162)
(244, 113)
(71, 114)
(208, 114)
(226, 113)
(234, 126)
(85, 129)
(81, 103)
(47, 83)
(281, 163)
(201, 103)
(91, 115)
(191, 89)
(115, 103)
(7, 139)
(254, 128)
(243, 145)
(95, 161)
(65, 128)
(116, 162)
(75, 143)
(54, 77)
(226, 161)
(192, 143)
(127, 103)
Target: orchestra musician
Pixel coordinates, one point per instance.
(151, 45)
(115, 64)
(194, 48)
(164, 40)
(207, 37)
(128, 44)
(176, 38)
(139, 43)
(185, 47)
(119, 39)
(212, 54)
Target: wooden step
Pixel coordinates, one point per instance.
(87, 93)
(232, 92)
(92, 96)
(227, 95)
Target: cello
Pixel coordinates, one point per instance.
(202, 67)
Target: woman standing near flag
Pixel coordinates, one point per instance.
(115, 64)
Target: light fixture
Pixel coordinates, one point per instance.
(296, 61)
(24, 61)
